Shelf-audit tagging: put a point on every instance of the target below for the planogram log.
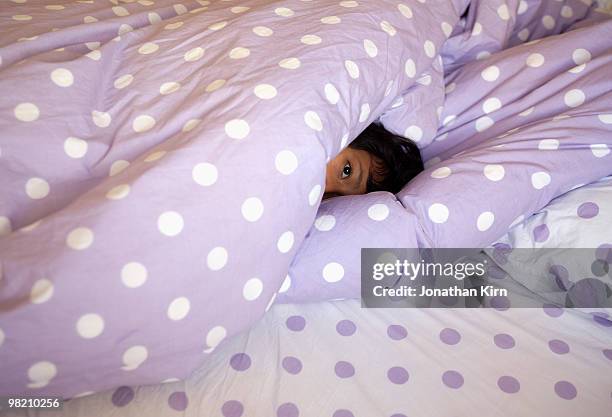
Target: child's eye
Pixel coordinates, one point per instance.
(346, 171)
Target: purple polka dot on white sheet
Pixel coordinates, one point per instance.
(292, 365)
(346, 327)
(240, 361)
(604, 252)
(504, 341)
(508, 384)
(397, 332)
(601, 318)
(588, 210)
(500, 302)
(452, 379)
(398, 375)
(558, 346)
(178, 401)
(398, 415)
(122, 396)
(541, 233)
(565, 390)
(296, 323)
(287, 410)
(450, 336)
(344, 369)
(343, 413)
(607, 353)
(552, 310)
(232, 408)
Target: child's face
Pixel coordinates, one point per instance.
(348, 173)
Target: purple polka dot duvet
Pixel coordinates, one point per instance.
(161, 167)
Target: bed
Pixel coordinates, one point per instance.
(163, 243)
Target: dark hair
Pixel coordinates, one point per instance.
(401, 159)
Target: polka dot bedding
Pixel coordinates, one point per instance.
(161, 163)
(334, 359)
(517, 129)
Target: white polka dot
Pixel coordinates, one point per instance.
(448, 120)
(567, 12)
(331, 20)
(252, 289)
(450, 88)
(286, 162)
(333, 272)
(193, 54)
(75, 147)
(215, 85)
(378, 212)
(491, 104)
(285, 242)
(283, 11)
(485, 221)
(523, 34)
(424, 79)
(100, 118)
(490, 73)
(414, 133)
(388, 28)
(169, 87)
(22, 17)
(123, 29)
(581, 56)
(364, 113)
(430, 48)
(95, 55)
(398, 102)
(325, 223)
(477, 29)
(5, 226)
(527, 112)
(331, 93)
(312, 120)
(503, 12)
(310, 40)
(217, 258)
(170, 223)
(41, 373)
(483, 55)
(605, 118)
(55, 7)
(540, 180)
(179, 308)
(239, 9)
(155, 156)
(290, 63)
(134, 357)
(148, 48)
(118, 192)
(548, 144)
(265, 91)
(118, 167)
(352, 69)
(218, 25)
(263, 31)
(600, 150)
(123, 81)
(410, 68)
(284, 287)
(41, 291)
(62, 77)
(535, 60)
(370, 48)
(483, 123)
(406, 11)
(37, 188)
(120, 11)
(2, 337)
(252, 209)
(349, 3)
(239, 53)
(143, 123)
(80, 238)
(441, 172)
(214, 337)
(389, 87)
(314, 194)
(548, 22)
(438, 213)
(447, 29)
(133, 274)
(90, 325)
(522, 7)
(237, 129)
(26, 112)
(574, 98)
(205, 174)
(154, 18)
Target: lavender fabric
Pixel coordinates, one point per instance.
(518, 129)
(161, 163)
